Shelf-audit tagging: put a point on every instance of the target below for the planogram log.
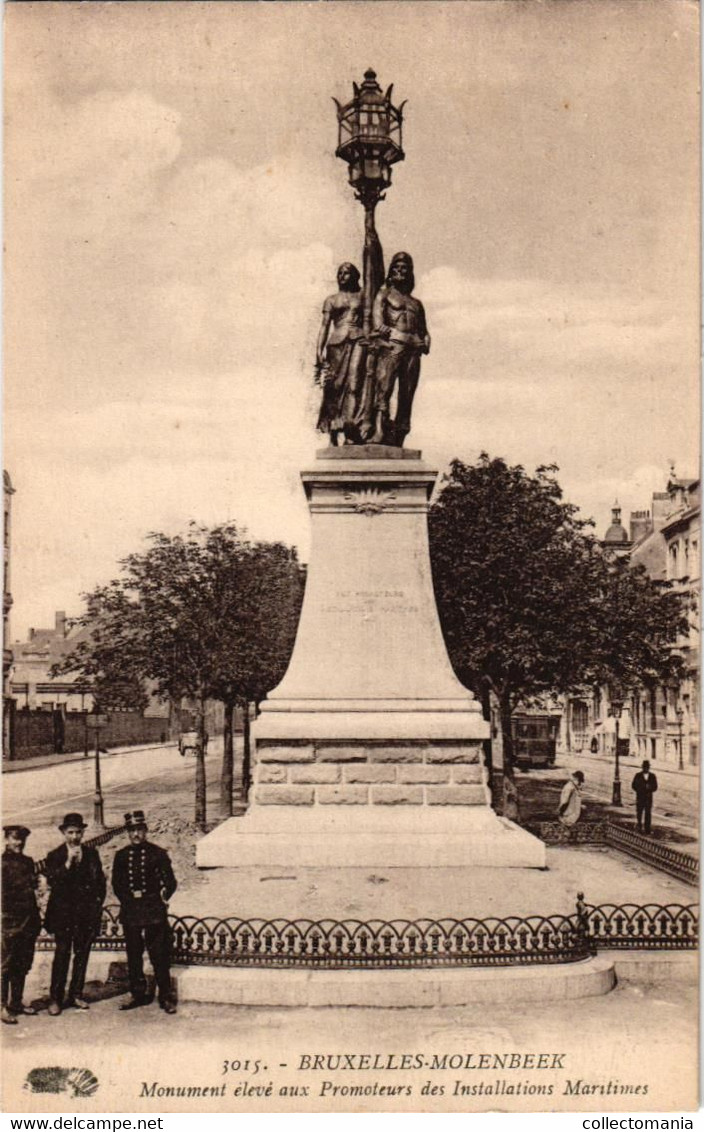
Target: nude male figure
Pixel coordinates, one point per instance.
(401, 335)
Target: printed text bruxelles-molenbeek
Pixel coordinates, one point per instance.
(337, 1062)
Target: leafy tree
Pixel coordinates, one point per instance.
(256, 650)
(528, 602)
(186, 614)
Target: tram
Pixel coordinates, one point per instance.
(534, 736)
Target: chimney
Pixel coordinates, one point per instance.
(60, 623)
(662, 507)
(641, 525)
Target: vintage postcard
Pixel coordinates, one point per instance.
(351, 557)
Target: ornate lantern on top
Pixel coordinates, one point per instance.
(370, 138)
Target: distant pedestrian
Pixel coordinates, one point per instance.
(77, 883)
(594, 745)
(144, 882)
(21, 922)
(645, 784)
(571, 799)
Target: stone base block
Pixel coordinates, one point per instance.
(389, 836)
(388, 988)
(445, 721)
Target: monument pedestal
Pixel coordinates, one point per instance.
(369, 752)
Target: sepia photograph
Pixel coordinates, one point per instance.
(351, 628)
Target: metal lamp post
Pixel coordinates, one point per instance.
(95, 721)
(369, 141)
(616, 707)
(679, 712)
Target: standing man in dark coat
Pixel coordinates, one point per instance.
(20, 922)
(645, 784)
(144, 882)
(77, 884)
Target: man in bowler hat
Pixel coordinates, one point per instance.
(20, 922)
(144, 882)
(645, 784)
(77, 885)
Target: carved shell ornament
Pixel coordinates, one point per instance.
(370, 500)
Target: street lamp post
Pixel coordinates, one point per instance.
(616, 707)
(369, 140)
(679, 712)
(98, 721)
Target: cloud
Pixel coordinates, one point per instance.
(552, 322)
(88, 164)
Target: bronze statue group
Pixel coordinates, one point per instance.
(143, 882)
(362, 370)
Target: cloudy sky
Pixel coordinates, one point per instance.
(175, 215)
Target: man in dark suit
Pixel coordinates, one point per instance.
(144, 882)
(645, 784)
(20, 922)
(77, 884)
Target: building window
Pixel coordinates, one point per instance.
(674, 564)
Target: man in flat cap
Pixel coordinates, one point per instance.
(20, 922)
(144, 882)
(77, 884)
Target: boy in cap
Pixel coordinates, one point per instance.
(144, 882)
(77, 883)
(20, 922)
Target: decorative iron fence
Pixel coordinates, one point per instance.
(683, 866)
(379, 943)
(512, 941)
(652, 926)
(355, 943)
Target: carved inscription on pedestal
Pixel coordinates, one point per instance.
(366, 602)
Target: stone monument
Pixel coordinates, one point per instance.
(370, 751)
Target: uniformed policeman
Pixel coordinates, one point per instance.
(144, 882)
(20, 922)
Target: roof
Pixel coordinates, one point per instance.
(651, 553)
(616, 533)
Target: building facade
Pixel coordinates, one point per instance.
(32, 684)
(656, 723)
(8, 492)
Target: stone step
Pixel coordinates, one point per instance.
(385, 987)
(376, 836)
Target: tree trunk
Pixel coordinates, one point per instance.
(505, 712)
(228, 762)
(200, 815)
(174, 720)
(497, 752)
(247, 753)
(511, 806)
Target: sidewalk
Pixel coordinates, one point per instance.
(687, 778)
(78, 757)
